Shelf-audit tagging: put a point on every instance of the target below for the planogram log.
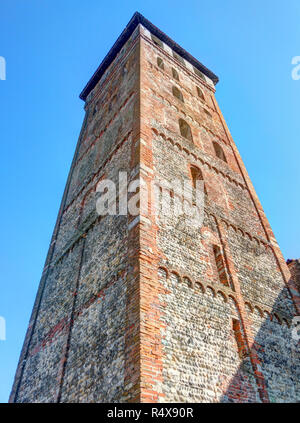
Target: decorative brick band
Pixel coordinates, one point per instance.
(226, 293)
(189, 117)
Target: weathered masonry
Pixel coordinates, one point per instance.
(130, 308)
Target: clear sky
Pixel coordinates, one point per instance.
(52, 47)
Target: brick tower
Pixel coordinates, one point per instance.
(131, 308)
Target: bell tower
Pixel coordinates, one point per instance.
(140, 308)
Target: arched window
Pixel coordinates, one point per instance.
(185, 130)
(219, 151)
(112, 103)
(200, 93)
(177, 93)
(160, 63)
(175, 74)
(196, 175)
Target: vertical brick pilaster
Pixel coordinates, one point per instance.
(132, 390)
(151, 346)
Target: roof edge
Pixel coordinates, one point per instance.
(137, 19)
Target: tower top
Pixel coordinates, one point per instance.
(137, 19)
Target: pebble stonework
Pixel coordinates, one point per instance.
(134, 309)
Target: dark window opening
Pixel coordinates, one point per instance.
(207, 113)
(185, 130)
(179, 58)
(200, 93)
(175, 74)
(177, 93)
(157, 41)
(197, 175)
(219, 151)
(160, 63)
(199, 73)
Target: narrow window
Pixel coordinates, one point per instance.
(175, 74)
(177, 93)
(207, 113)
(196, 175)
(160, 63)
(112, 102)
(219, 151)
(238, 334)
(86, 119)
(179, 58)
(199, 73)
(126, 68)
(200, 93)
(157, 41)
(185, 130)
(223, 277)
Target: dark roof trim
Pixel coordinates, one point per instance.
(136, 19)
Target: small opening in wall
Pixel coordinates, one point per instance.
(177, 93)
(179, 58)
(112, 102)
(199, 73)
(175, 74)
(197, 175)
(200, 93)
(207, 113)
(157, 41)
(219, 151)
(185, 130)
(160, 63)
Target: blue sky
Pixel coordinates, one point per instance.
(52, 47)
